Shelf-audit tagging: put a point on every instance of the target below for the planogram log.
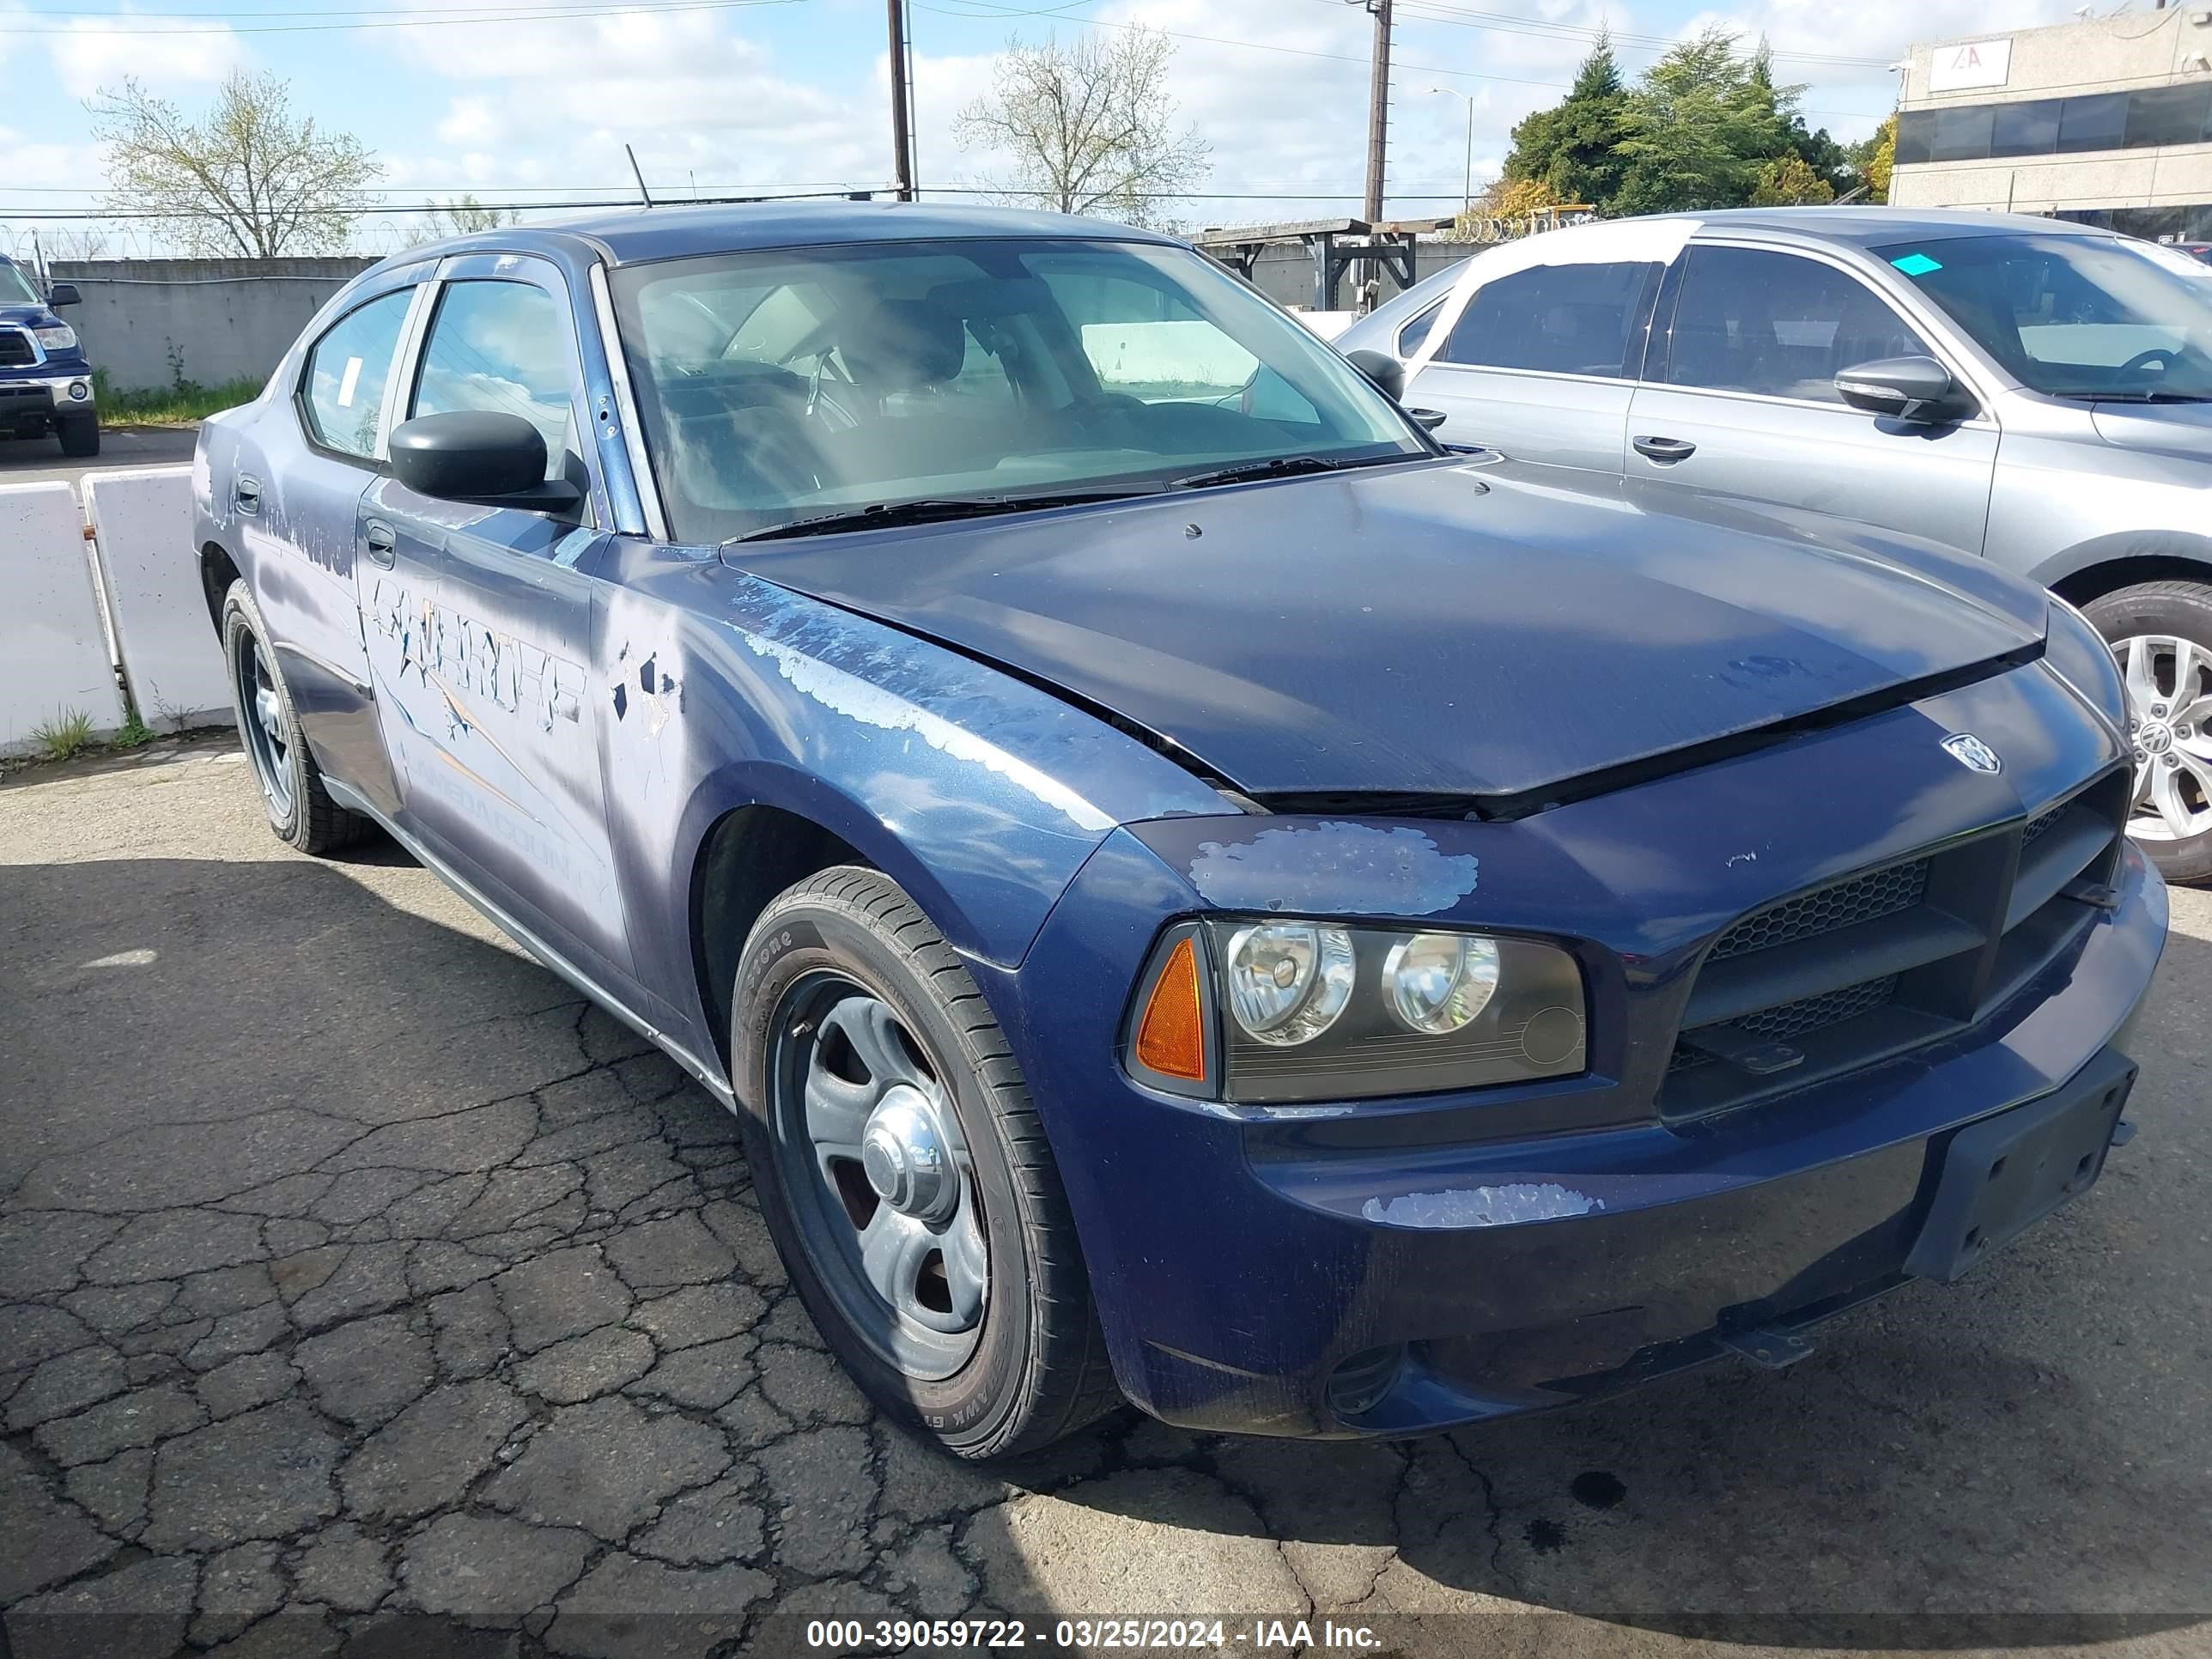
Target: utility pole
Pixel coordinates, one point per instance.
(902, 130)
(1378, 110)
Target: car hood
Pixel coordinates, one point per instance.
(1410, 630)
(29, 317)
(2179, 429)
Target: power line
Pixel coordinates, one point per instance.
(402, 21)
(1331, 57)
(1436, 11)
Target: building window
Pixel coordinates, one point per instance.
(1962, 134)
(2148, 117)
(2097, 122)
(2170, 115)
(2028, 129)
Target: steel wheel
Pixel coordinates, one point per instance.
(262, 712)
(871, 1155)
(2169, 682)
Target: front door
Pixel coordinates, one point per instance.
(1740, 402)
(478, 622)
(298, 515)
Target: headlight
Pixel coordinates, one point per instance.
(1273, 1010)
(60, 337)
(1288, 980)
(2078, 653)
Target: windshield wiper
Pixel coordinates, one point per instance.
(932, 509)
(1284, 466)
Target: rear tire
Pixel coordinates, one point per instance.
(301, 810)
(842, 966)
(80, 437)
(2161, 633)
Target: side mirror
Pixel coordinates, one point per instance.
(1910, 388)
(1380, 367)
(64, 294)
(481, 456)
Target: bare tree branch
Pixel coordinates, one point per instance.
(247, 179)
(1089, 127)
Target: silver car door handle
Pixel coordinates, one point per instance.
(1663, 450)
(377, 537)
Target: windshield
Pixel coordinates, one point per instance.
(15, 289)
(2074, 316)
(800, 384)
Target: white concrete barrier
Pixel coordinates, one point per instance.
(142, 518)
(54, 657)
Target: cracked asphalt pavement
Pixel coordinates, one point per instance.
(362, 1291)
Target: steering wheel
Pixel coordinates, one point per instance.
(2164, 356)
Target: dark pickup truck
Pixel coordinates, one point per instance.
(45, 380)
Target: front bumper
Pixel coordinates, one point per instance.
(37, 401)
(1252, 1269)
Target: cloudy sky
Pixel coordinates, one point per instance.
(534, 98)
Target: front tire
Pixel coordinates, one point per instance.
(2162, 634)
(904, 1175)
(80, 437)
(301, 810)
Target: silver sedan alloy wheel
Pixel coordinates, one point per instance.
(2169, 684)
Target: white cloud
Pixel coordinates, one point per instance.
(92, 53)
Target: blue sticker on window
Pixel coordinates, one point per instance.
(1917, 264)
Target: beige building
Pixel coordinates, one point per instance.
(2107, 121)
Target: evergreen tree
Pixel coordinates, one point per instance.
(1573, 148)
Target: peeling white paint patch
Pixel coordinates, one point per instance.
(1482, 1207)
(870, 705)
(1743, 857)
(1335, 866)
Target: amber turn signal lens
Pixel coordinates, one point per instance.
(1171, 1037)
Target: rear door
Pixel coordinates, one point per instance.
(480, 626)
(1739, 401)
(1538, 365)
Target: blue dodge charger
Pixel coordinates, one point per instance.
(1195, 891)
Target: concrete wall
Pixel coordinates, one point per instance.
(2107, 54)
(142, 520)
(150, 323)
(53, 653)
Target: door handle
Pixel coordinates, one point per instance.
(246, 492)
(380, 541)
(1663, 450)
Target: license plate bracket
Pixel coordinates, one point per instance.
(2001, 1176)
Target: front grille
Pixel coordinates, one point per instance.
(1811, 1013)
(16, 348)
(1857, 971)
(1862, 898)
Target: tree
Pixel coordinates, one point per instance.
(247, 179)
(1709, 127)
(464, 214)
(1089, 127)
(1789, 181)
(1573, 147)
(1872, 159)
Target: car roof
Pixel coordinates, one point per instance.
(1865, 227)
(637, 235)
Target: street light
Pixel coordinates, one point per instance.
(1466, 182)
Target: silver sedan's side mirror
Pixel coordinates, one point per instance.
(1908, 388)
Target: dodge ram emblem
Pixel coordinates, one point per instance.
(1971, 753)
